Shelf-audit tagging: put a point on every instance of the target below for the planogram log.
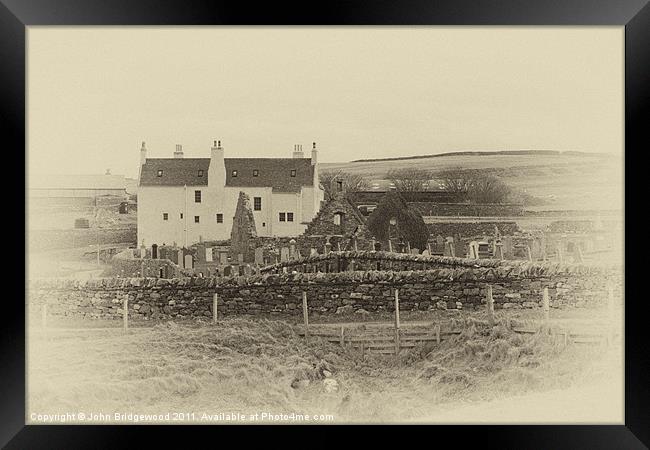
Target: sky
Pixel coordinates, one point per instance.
(95, 93)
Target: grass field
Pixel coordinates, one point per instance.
(563, 181)
(248, 367)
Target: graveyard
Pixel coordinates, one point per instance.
(444, 314)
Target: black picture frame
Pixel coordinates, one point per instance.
(634, 15)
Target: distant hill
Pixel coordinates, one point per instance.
(485, 153)
(564, 180)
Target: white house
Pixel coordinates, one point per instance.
(184, 200)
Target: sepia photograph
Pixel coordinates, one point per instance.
(324, 225)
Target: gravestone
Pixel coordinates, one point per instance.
(440, 240)
(223, 258)
(241, 270)
(188, 262)
(208, 254)
(498, 251)
(227, 271)
(473, 250)
(448, 250)
(284, 254)
(259, 256)
(508, 250)
(247, 270)
(292, 249)
(425, 253)
(415, 251)
(200, 253)
(535, 249)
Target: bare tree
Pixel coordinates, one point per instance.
(488, 189)
(479, 186)
(409, 179)
(456, 180)
(351, 181)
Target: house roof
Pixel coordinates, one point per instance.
(175, 172)
(271, 172)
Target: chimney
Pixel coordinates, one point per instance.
(297, 151)
(314, 154)
(179, 151)
(143, 158)
(217, 168)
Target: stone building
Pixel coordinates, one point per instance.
(243, 234)
(186, 200)
(337, 217)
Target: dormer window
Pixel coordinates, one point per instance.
(293, 172)
(200, 174)
(256, 172)
(234, 173)
(160, 172)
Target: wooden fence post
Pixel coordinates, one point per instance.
(305, 313)
(342, 338)
(397, 343)
(545, 305)
(490, 304)
(44, 314)
(125, 312)
(577, 255)
(610, 312)
(215, 304)
(437, 331)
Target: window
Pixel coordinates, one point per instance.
(293, 172)
(219, 218)
(263, 224)
(282, 217)
(197, 196)
(160, 172)
(289, 217)
(256, 172)
(234, 173)
(196, 219)
(165, 216)
(200, 174)
(257, 203)
(181, 215)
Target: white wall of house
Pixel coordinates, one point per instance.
(155, 201)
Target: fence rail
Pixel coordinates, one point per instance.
(385, 340)
(386, 343)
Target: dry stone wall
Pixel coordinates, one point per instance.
(467, 209)
(328, 293)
